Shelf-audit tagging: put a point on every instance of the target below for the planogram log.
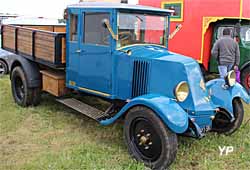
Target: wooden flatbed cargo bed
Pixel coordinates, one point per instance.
(45, 47)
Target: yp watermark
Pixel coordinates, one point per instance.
(225, 150)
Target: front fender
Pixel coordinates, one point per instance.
(223, 97)
(167, 109)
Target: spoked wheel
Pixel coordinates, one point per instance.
(222, 124)
(22, 94)
(3, 68)
(245, 78)
(148, 139)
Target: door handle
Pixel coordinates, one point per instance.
(78, 51)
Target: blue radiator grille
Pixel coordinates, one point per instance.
(140, 78)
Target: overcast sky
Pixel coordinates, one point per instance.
(36, 8)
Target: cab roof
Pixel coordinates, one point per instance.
(111, 5)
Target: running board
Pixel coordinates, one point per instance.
(84, 109)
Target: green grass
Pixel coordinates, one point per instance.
(53, 137)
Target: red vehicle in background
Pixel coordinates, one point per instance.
(200, 23)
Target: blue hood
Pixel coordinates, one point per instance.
(167, 69)
(156, 52)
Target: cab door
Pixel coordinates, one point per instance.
(73, 47)
(95, 66)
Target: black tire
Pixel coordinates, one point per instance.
(245, 78)
(3, 68)
(23, 95)
(154, 144)
(222, 124)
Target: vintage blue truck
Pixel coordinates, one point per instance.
(107, 51)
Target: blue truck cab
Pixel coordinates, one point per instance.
(119, 52)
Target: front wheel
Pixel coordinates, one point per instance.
(222, 124)
(148, 139)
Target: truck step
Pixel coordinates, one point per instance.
(84, 108)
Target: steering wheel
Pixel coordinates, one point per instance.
(125, 35)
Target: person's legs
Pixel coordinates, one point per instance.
(229, 67)
(222, 71)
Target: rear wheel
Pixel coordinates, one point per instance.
(148, 139)
(245, 78)
(222, 124)
(3, 68)
(22, 94)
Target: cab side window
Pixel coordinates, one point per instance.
(94, 30)
(73, 27)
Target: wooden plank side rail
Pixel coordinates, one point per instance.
(51, 28)
(45, 47)
(8, 37)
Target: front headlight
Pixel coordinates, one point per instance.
(181, 91)
(231, 78)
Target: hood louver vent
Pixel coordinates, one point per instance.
(140, 78)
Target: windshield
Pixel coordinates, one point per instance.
(136, 28)
(245, 34)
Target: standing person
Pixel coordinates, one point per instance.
(227, 53)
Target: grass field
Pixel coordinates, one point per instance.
(53, 137)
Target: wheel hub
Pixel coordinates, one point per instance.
(143, 140)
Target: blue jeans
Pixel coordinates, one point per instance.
(224, 69)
